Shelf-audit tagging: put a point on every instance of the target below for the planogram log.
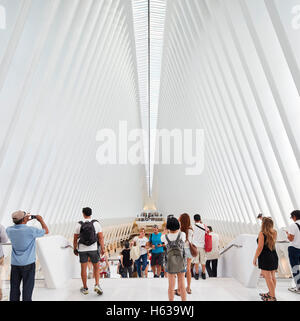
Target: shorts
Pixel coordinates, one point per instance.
(157, 259)
(201, 256)
(188, 254)
(93, 255)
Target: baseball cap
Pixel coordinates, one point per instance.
(18, 216)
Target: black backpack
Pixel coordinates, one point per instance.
(87, 234)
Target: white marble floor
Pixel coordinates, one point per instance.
(220, 289)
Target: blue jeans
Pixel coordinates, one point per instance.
(22, 273)
(294, 256)
(141, 261)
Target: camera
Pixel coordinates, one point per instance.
(33, 217)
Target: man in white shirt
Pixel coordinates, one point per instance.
(293, 235)
(199, 241)
(88, 236)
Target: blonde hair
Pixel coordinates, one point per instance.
(267, 228)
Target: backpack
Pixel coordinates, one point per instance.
(207, 240)
(175, 258)
(87, 234)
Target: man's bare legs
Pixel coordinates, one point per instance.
(96, 273)
(84, 274)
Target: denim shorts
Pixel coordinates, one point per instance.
(188, 254)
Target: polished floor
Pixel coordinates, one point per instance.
(220, 289)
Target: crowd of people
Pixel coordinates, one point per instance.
(179, 252)
(182, 251)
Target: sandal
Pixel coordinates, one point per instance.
(176, 292)
(189, 292)
(270, 298)
(264, 295)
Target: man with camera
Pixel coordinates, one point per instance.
(23, 257)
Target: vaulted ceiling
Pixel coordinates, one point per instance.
(70, 68)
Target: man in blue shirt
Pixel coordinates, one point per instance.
(157, 252)
(23, 254)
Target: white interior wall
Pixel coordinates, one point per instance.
(68, 70)
(231, 68)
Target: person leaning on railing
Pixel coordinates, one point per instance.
(23, 254)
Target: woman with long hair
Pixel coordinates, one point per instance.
(267, 257)
(185, 226)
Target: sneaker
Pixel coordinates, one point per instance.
(203, 275)
(196, 276)
(98, 289)
(294, 290)
(84, 291)
(156, 276)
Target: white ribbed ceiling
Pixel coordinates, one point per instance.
(149, 22)
(69, 68)
(232, 68)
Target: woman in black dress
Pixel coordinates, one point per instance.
(267, 257)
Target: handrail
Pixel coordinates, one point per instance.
(239, 246)
(5, 243)
(67, 246)
(231, 246)
(71, 247)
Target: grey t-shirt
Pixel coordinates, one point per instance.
(3, 238)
